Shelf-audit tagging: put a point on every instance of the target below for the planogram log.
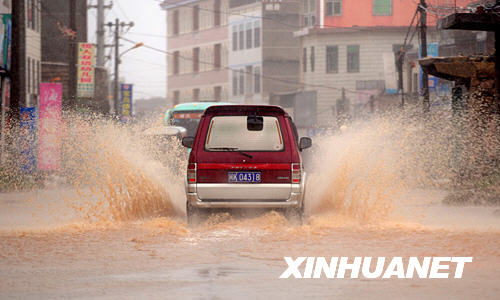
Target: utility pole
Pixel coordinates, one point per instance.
(116, 86)
(73, 57)
(18, 68)
(117, 68)
(100, 32)
(423, 51)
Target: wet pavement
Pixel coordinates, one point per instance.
(44, 257)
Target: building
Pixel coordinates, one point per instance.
(197, 44)
(30, 50)
(349, 52)
(264, 55)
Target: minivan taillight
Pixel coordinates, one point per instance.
(191, 173)
(296, 173)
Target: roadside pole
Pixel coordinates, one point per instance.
(18, 69)
(116, 84)
(117, 69)
(423, 51)
(73, 57)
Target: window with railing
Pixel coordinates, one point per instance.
(308, 13)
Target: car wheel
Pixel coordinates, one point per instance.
(195, 216)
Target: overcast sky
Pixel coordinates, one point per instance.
(144, 68)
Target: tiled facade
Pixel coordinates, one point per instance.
(198, 50)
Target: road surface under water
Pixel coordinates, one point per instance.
(44, 254)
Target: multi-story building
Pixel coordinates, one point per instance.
(353, 45)
(56, 30)
(197, 44)
(264, 56)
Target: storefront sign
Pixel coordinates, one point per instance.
(86, 71)
(27, 139)
(49, 131)
(126, 102)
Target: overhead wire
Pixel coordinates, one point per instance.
(292, 82)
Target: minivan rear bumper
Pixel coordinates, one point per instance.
(294, 199)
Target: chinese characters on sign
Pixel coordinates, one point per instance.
(86, 71)
(27, 141)
(49, 131)
(126, 103)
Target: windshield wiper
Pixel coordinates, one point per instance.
(231, 149)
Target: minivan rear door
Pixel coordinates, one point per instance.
(244, 158)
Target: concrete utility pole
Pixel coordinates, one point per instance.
(73, 56)
(18, 73)
(100, 32)
(423, 49)
(116, 87)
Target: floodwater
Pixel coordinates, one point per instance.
(119, 232)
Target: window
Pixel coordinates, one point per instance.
(34, 15)
(242, 37)
(235, 82)
(217, 93)
(235, 38)
(196, 94)
(248, 28)
(175, 22)
(353, 58)
(304, 60)
(196, 59)
(382, 7)
(196, 18)
(332, 59)
(176, 62)
(29, 75)
(256, 34)
(232, 132)
(217, 13)
(34, 76)
(177, 96)
(249, 79)
(309, 13)
(333, 7)
(217, 56)
(37, 88)
(30, 13)
(242, 82)
(312, 59)
(256, 80)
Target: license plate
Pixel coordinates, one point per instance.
(244, 177)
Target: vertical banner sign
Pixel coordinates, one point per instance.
(49, 131)
(27, 139)
(86, 71)
(126, 103)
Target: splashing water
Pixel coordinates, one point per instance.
(117, 172)
(365, 171)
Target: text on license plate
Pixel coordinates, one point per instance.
(249, 177)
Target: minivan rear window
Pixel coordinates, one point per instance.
(230, 133)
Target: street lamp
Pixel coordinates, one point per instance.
(117, 74)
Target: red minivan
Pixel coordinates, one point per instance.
(245, 156)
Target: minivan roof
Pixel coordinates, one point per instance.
(246, 109)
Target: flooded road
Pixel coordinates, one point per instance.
(161, 258)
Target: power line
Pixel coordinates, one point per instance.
(250, 16)
(297, 83)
